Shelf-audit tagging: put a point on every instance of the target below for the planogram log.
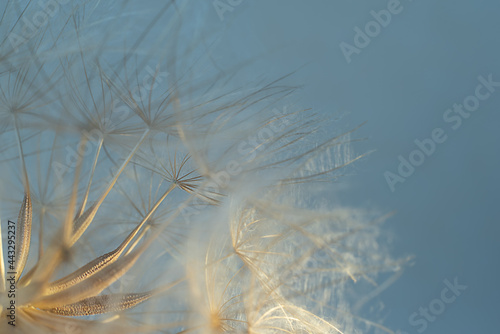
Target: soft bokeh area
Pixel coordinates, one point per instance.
(238, 107)
(402, 83)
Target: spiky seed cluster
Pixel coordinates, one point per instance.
(162, 202)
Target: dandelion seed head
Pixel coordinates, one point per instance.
(153, 193)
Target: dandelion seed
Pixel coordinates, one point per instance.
(152, 198)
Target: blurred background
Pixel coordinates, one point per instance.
(399, 66)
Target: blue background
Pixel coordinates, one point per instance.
(427, 59)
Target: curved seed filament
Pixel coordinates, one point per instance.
(82, 222)
(102, 304)
(23, 236)
(105, 260)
